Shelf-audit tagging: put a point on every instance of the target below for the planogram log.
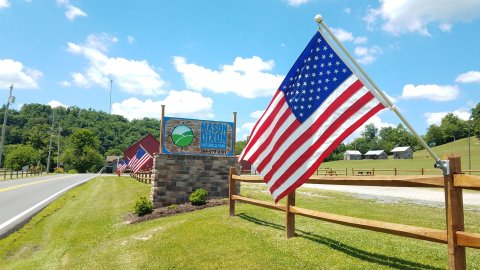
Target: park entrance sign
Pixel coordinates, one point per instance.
(197, 137)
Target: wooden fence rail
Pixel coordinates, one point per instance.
(10, 174)
(144, 177)
(455, 237)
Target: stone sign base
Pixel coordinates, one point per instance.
(175, 177)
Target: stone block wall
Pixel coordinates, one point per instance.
(175, 177)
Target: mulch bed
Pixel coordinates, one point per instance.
(171, 210)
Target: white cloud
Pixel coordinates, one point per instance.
(347, 11)
(257, 114)
(445, 27)
(177, 103)
(246, 77)
(13, 72)
(297, 3)
(130, 39)
(414, 16)
(131, 76)
(431, 91)
(436, 118)
(367, 55)
(344, 35)
(4, 4)
(55, 104)
(469, 77)
(73, 12)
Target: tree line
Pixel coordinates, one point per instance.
(85, 136)
(450, 128)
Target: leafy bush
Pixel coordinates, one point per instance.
(59, 170)
(198, 197)
(143, 206)
(72, 171)
(173, 206)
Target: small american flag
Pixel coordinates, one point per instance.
(319, 104)
(122, 165)
(140, 159)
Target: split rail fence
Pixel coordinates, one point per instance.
(455, 237)
(10, 174)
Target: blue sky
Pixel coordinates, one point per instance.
(206, 59)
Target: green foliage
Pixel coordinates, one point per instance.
(21, 155)
(198, 197)
(59, 170)
(72, 171)
(173, 206)
(81, 152)
(143, 206)
(239, 145)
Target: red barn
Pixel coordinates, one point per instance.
(150, 144)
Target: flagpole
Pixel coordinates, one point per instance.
(442, 164)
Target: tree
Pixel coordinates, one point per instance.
(21, 155)
(239, 145)
(81, 152)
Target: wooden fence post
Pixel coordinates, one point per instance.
(422, 171)
(454, 212)
(395, 170)
(231, 190)
(290, 217)
(373, 171)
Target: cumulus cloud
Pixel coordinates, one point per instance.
(435, 118)
(131, 76)
(431, 91)
(72, 11)
(347, 11)
(367, 55)
(130, 39)
(246, 77)
(469, 77)
(257, 114)
(55, 104)
(399, 17)
(344, 35)
(4, 4)
(14, 72)
(297, 3)
(177, 103)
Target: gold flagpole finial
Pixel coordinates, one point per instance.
(318, 18)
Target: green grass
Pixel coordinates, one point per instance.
(421, 159)
(84, 229)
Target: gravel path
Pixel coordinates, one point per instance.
(423, 196)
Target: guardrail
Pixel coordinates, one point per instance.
(144, 177)
(10, 174)
(455, 237)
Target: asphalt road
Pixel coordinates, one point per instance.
(20, 199)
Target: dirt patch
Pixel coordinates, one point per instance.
(171, 210)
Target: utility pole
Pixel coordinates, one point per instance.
(110, 108)
(11, 99)
(50, 147)
(58, 147)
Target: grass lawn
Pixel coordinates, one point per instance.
(84, 229)
(421, 159)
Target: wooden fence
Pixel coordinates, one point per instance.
(144, 177)
(455, 237)
(10, 174)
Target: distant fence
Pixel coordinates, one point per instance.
(144, 177)
(455, 236)
(11, 174)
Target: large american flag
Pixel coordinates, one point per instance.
(319, 104)
(140, 159)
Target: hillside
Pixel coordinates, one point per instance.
(421, 159)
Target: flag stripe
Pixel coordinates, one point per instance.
(287, 139)
(275, 100)
(282, 192)
(312, 126)
(305, 140)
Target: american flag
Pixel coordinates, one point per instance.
(122, 165)
(140, 159)
(319, 104)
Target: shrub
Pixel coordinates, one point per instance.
(72, 171)
(59, 170)
(198, 197)
(173, 206)
(143, 206)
